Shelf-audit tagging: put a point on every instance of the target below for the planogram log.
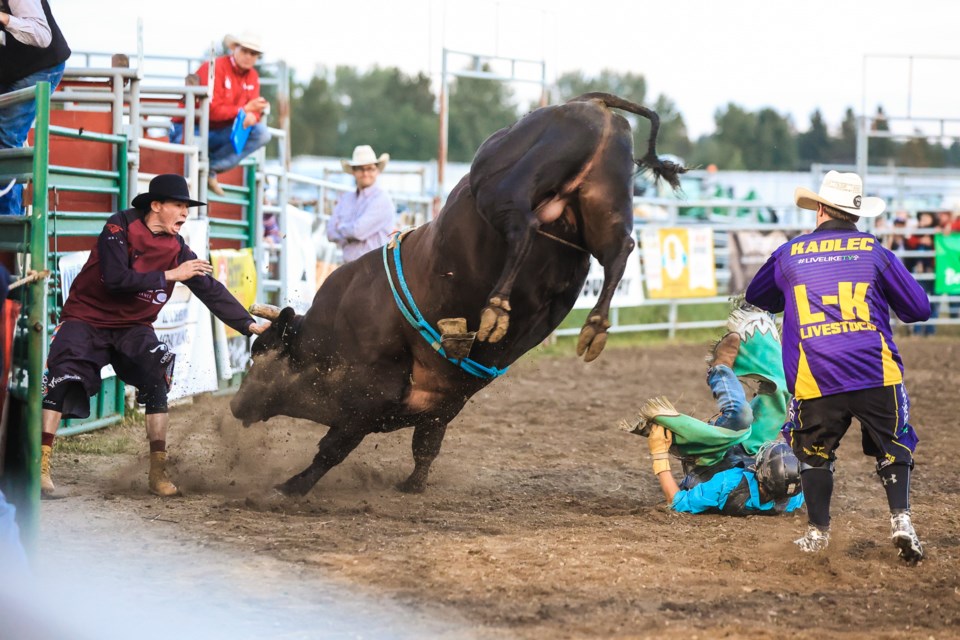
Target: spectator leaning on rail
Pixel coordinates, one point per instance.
(836, 287)
(236, 87)
(734, 463)
(925, 265)
(108, 316)
(32, 50)
(363, 218)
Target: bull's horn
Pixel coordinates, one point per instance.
(267, 311)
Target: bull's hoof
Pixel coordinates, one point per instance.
(593, 338)
(411, 485)
(494, 321)
(293, 488)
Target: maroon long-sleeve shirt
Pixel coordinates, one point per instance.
(122, 283)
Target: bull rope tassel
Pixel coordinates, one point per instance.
(562, 241)
(412, 314)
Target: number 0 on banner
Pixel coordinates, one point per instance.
(679, 263)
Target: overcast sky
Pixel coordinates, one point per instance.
(791, 56)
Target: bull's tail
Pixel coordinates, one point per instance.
(669, 171)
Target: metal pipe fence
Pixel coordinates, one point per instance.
(946, 307)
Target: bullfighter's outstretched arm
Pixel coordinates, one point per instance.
(218, 299)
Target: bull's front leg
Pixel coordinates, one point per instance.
(495, 317)
(593, 335)
(333, 449)
(427, 439)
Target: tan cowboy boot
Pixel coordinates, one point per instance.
(46, 482)
(725, 350)
(160, 484)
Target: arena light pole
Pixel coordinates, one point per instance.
(865, 130)
(475, 69)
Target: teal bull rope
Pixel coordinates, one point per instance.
(412, 314)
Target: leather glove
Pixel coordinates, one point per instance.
(659, 442)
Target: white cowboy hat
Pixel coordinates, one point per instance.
(364, 155)
(247, 40)
(843, 191)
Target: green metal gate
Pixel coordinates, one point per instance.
(30, 237)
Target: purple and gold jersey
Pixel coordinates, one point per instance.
(835, 287)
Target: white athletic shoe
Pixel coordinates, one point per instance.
(905, 538)
(814, 540)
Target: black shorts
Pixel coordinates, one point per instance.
(815, 427)
(79, 351)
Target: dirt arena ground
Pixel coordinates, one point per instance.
(542, 520)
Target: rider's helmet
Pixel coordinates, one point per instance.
(778, 470)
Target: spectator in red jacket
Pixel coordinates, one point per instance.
(236, 88)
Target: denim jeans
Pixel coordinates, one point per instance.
(735, 413)
(222, 155)
(15, 123)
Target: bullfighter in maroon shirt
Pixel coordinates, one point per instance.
(108, 319)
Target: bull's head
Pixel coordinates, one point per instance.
(263, 388)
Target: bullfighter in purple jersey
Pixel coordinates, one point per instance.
(835, 287)
(108, 317)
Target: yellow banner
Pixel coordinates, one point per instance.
(679, 263)
(235, 269)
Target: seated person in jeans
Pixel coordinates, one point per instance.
(32, 50)
(236, 87)
(733, 464)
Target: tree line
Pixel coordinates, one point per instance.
(397, 112)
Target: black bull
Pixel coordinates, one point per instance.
(509, 252)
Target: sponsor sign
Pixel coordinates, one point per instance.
(679, 262)
(947, 263)
(184, 326)
(629, 292)
(236, 270)
(70, 266)
(302, 265)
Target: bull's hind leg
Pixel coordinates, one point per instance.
(593, 335)
(607, 210)
(333, 448)
(427, 439)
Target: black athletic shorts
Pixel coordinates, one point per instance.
(815, 427)
(79, 351)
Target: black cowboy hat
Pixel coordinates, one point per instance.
(166, 186)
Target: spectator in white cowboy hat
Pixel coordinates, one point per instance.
(363, 218)
(236, 87)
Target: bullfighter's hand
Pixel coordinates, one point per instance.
(257, 328)
(189, 269)
(659, 442)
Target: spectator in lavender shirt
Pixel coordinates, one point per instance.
(362, 219)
